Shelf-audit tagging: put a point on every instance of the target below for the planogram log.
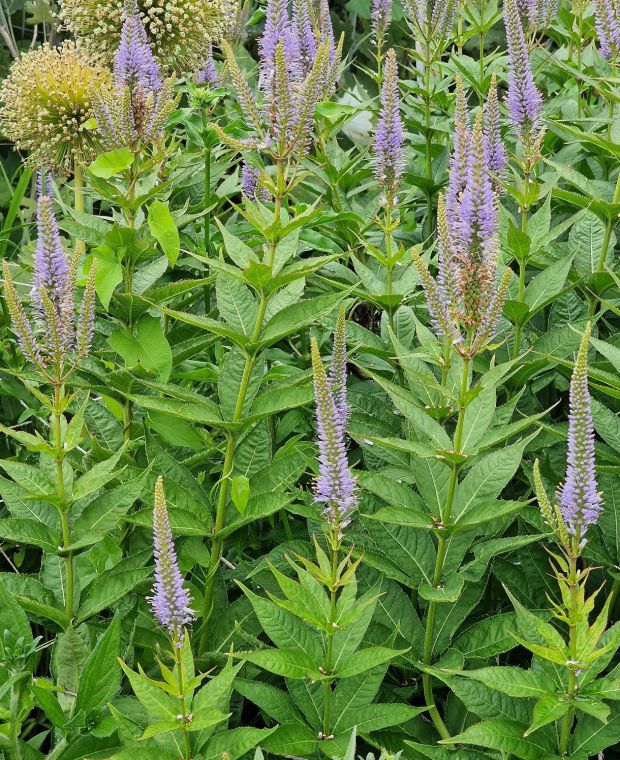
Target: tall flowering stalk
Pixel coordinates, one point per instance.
(465, 300)
(389, 159)
(280, 116)
(381, 18)
(335, 486)
(170, 600)
(298, 66)
(431, 22)
(577, 507)
(525, 112)
(134, 111)
(54, 337)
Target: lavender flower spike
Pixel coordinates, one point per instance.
(170, 601)
(459, 160)
(607, 22)
(578, 497)
(524, 98)
(134, 64)
(389, 140)
(381, 16)
(335, 485)
(338, 369)
(496, 152)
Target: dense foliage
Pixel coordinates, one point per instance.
(310, 375)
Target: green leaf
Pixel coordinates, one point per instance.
(547, 710)
(236, 249)
(240, 492)
(546, 285)
(97, 476)
(111, 163)
(108, 589)
(163, 228)
(31, 532)
(513, 681)
(290, 663)
(506, 736)
(292, 318)
(13, 618)
(366, 659)
(108, 275)
(236, 304)
(154, 350)
(101, 677)
(488, 637)
(157, 703)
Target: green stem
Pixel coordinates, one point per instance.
(522, 262)
(567, 722)
(63, 507)
(481, 49)
(442, 549)
(130, 218)
(78, 202)
(330, 641)
(187, 747)
(15, 724)
(428, 141)
(609, 230)
(207, 185)
(222, 498)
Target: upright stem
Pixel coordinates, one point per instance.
(522, 261)
(608, 230)
(330, 641)
(207, 185)
(15, 724)
(78, 201)
(187, 747)
(481, 48)
(222, 498)
(573, 583)
(63, 507)
(442, 548)
(130, 218)
(428, 140)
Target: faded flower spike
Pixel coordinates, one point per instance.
(578, 497)
(607, 21)
(170, 601)
(388, 147)
(524, 98)
(537, 15)
(136, 109)
(432, 19)
(335, 486)
(47, 106)
(178, 30)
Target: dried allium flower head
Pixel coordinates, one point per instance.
(579, 500)
(388, 146)
(170, 601)
(607, 21)
(465, 300)
(335, 485)
(178, 30)
(54, 336)
(135, 111)
(524, 98)
(47, 104)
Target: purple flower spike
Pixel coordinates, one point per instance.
(381, 17)
(496, 152)
(208, 74)
(308, 45)
(170, 601)
(459, 160)
(607, 21)
(478, 213)
(335, 485)
(524, 98)
(579, 500)
(338, 369)
(389, 159)
(135, 65)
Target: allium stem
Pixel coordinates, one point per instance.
(442, 548)
(78, 202)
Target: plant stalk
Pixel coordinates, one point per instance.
(330, 641)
